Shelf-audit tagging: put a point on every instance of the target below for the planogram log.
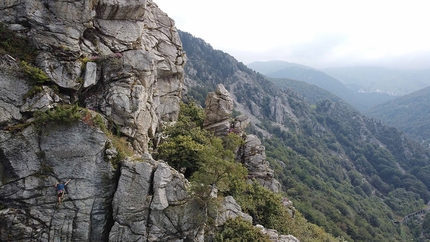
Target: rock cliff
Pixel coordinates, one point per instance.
(218, 111)
(122, 61)
(121, 58)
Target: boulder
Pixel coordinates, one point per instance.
(275, 237)
(230, 209)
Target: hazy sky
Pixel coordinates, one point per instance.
(318, 33)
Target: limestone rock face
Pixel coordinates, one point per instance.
(32, 161)
(123, 58)
(12, 89)
(218, 111)
(230, 209)
(275, 237)
(253, 157)
(145, 201)
(152, 204)
(219, 107)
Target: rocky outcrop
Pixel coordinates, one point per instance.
(152, 204)
(218, 111)
(254, 158)
(122, 58)
(32, 161)
(230, 209)
(275, 237)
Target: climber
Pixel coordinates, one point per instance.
(60, 190)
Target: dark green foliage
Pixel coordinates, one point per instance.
(426, 226)
(264, 207)
(239, 230)
(208, 160)
(192, 113)
(199, 94)
(408, 113)
(186, 141)
(16, 46)
(347, 173)
(34, 73)
(61, 114)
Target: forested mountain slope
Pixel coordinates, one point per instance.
(409, 113)
(350, 174)
(372, 79)
(361, 101)
(312, 93)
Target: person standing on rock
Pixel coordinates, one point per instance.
(60, 190)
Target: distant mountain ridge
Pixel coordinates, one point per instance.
(350, 174)
(282, 69)
(371, 79)
(409, 113)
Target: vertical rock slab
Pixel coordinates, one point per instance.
(152, 204)
(218, 111)
(253, 157)
(32, 161)
(133, 47)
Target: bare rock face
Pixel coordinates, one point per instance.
(123, 58)
(253, 156)
(32, 161)
(230, 209)
(152, 204)
(219, 107)
(275, 237)
(218, 111)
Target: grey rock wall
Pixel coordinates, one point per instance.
(32, 161)
(123, 58)
(218, 119)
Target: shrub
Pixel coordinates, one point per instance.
(240, 230)
(16, 46)
(66, 114)
(34, 73)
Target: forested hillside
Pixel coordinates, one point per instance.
(409, 113)
(361, 101)
(372, 79)
(312, 93)
(350, 174)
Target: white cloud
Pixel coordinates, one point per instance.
(309, 31)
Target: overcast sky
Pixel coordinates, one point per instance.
(317, 33)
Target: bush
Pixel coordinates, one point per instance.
(63, 114)
(15, 46)
(239, 230)
(34, 73)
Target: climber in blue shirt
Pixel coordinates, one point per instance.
(60, 190)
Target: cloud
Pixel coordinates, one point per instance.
(311, 32)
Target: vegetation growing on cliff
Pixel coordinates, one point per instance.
(16, 46)
(207, 159)
(210, 161)
(347, 173)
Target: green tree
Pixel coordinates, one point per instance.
(239, 230)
